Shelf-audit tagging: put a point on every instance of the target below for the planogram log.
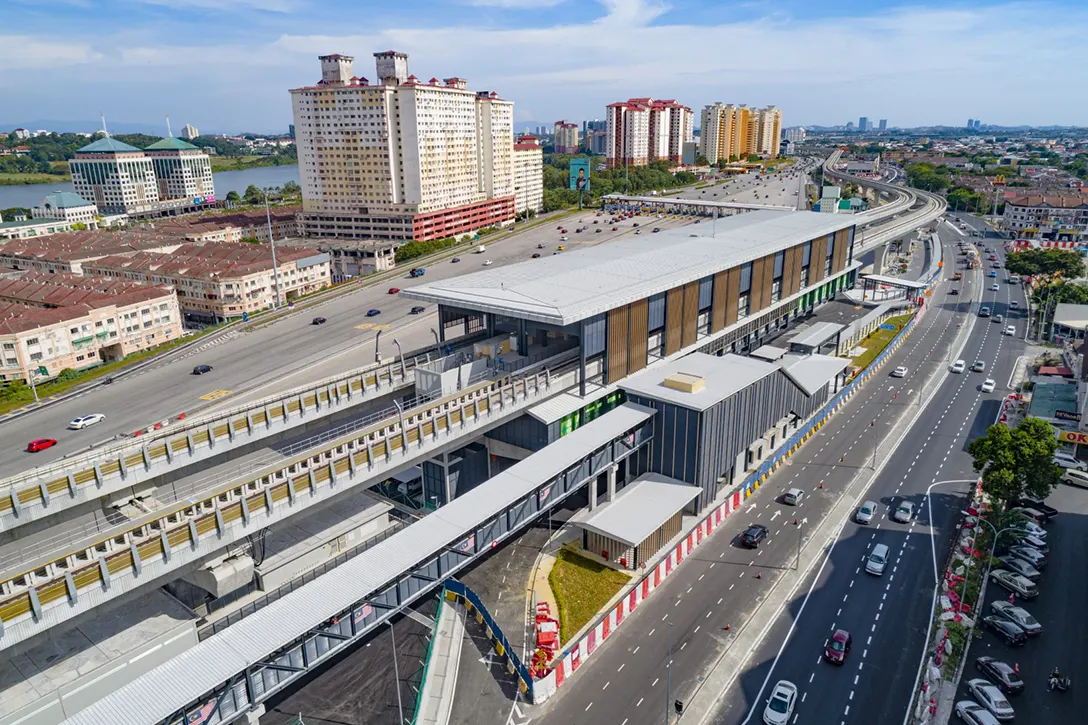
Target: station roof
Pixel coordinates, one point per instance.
(639, 509)
(181, 680)
(723, 376)
(812, 372)
(894, 281)
(1071, 315)
(565, 288)
(817, 334)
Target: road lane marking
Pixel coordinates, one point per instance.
(216, 394)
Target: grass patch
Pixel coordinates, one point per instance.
(879, 339)
(16, 395)
(7, 179)
(239, 163)
(581, 587)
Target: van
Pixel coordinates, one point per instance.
(1074, 477)
(877, 560)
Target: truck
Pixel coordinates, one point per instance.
(481, 249)
(417, 272)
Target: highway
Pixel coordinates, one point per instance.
(888, 617)
(292, 352)
(723, 585)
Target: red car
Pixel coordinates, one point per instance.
(837, 647)
(40, 444)
(394, 290)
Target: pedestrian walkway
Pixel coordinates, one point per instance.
(443, 661)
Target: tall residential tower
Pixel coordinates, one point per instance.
(640, 131)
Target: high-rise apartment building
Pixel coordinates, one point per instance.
(796, 135)
(883, 125)
(970, 123)
(566, 137)
(189, 131)
(739, 131)
(401, 158)
(641, 130)
(863, 124)
(528, 175)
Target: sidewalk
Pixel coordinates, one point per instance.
(440, 680)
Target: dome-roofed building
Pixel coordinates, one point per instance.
(68, 206)
(183, 171)
(117, 177)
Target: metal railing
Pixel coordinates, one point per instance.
(258, 604)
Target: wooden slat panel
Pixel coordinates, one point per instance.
(816, 262)
(638, 326)
(792, 282)
(838, 262)
(717, 309)
(691, 314)
(731, 294)
(674, 309)
(617, 344)
(768, 280)
(756, 292)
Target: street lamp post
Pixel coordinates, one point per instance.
(800, 535)
(272, 242)
(396, 670)
(668, 674)
(30, 376)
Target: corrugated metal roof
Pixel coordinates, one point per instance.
(564, 404)
(723, 377)
(564, 288)
(640, 508)
(817, 334)
(812, 372)
(179, 682)
(895, 281)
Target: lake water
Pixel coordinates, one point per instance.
(30, 195)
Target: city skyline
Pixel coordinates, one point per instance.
(221, 52)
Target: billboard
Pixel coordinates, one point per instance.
(579, 173)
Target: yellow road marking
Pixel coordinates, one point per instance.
(371, 326)
(215, 395)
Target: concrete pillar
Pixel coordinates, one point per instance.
(253, 716)
(593, 493)
(613, 470)
(880, 255)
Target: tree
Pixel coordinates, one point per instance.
(253, 195)
(753, 158)
(233, 196)
(701, 160)
(1017, 462)
(1033, 262)
(290, 188)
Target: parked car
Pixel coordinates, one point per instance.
(780, 704)
(793, 497)
(1068, 460)
(40, 444)
(972, 713)
(1005, 629)
(904, 513)
(753, 536)
(838, 647)
(1017, 615)
(865, 513)
(991, 698)
(201, 369)
(86, 420)
(1019, 566)
(1001, 674)
(1026, 538)
(1038, 505)
(318, 321)
(1014, 583)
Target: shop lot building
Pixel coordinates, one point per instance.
(643, 342)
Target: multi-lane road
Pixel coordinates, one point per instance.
(293, 351)
(626, 682)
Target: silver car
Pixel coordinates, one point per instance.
(991, 698)
(1029, 554)
(904, 513)
(865, 513)
(1021, 567)
(972, 713)
(1018, 615)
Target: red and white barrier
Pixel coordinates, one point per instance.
(583, 649)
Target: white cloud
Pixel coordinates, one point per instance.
(25, 52)
(913, 65)
(272, 6)
(514, 4)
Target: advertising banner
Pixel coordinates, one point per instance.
(579, 174)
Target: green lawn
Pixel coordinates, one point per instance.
(581, 587)
(7, 179)
(875, 343)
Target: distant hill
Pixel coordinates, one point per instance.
(151, 129)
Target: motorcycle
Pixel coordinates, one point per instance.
(1061, 684)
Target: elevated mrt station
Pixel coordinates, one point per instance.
(623, 386)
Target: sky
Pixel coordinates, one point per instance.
(227, 65)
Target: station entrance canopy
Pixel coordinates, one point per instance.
(871, 283)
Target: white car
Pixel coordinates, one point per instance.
(988, 385)
(487, 262)
(978, 367)
(86, 420)
(865, 513)
(793, 497)
(972, 713)
(781, 703)
(904, 512)
(1014, 305)
(1015, 583)
(1061, 458)
(1010, 330)
(900, 372)
(959, 366)
(991, 698)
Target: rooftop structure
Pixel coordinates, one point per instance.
(232, 226)
(565, 288)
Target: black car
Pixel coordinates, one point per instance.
(201, 369)
(455, 260)
(753, 536)
(954, 291)
(536, 255)
(1001, 674)
(418, 309)
(1012, 633)
(319, 321)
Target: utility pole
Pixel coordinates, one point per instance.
(31, 372)
(271, 240)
